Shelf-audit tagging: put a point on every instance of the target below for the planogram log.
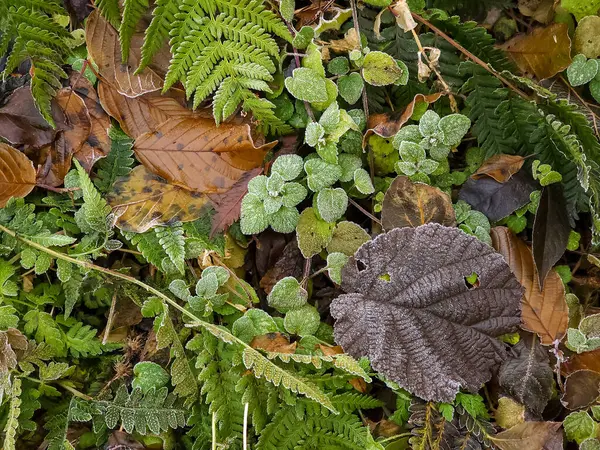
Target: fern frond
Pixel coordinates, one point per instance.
(12, 421)
(163, 17)
(111, 11)
(154, 412)
(147, 243)
(58, 424)
(133, 10)
(254, 11)
(92, 216)
(118, 163)
(172, 241)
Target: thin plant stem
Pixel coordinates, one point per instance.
(111, 316)
(364, 211)
(214, 431)
(245, 435)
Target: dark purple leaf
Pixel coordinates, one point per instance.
(551, 230)
(409, 309)
(498, 200)
(527, 376)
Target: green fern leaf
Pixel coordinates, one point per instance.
(92, 216)
(163, 17)
(154, 412)
(118, 163)
(172, 241)
(111, 10)
(133, 10)
(12, 421)
(58, 424)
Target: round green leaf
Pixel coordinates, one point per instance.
(313, 234)
(332, 203)
(351, 87)
(288, 166)
(582, 71)
(338, 66)
(284, 220)
(454, 127)
(307, 85)
(148, 375)
(381, 69)
(303, 321)
(321, 174)
(253, 218)
(255, 322)
(287, 294)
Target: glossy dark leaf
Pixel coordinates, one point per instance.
(527, 376)
(409, 309)
(551, 230)
(582, 389)
(498, 200)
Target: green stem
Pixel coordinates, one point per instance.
(393, 438)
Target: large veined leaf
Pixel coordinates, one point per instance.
(410, 310)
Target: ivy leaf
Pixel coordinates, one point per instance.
(332, 203)
(307, 85)
(381, 69)
(287, 294)
(527, 375)
(406, 296)
(409, 204)
(313, 234)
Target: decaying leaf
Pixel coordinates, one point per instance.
(410, 204)
(196, 154)
(55, 161)
(228, 205)
(500, 167)
(407, 299)
(544, 52)
(144, 113)
(527, 436)
(544, 311)
(582, 389)
(497, 200)
(291, 263)
(104, 48)
(274, 342)
(387, 125)
(582, 361)
(17, 175)
(551, 230)
(540, 10)
(97, 144)
(143, 200)
(527, 376)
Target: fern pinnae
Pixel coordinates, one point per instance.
(133, 10)
(111, 10)
(172, 241)
(12, 421)
(163, 17)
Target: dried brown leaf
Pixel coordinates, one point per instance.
(290, 264)
(527, 436)
(104, 48)
(17, 175)
(143, 200)
(144, 113)
(274, 342)
(582, 361)
(410, 204)
(500, 167)
(582, 389)
(198, 155)
(544, 52)
(545, 311)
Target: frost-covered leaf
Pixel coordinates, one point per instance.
(288, 166)
(454, 127)
(362, 181)
(580, 426)
(335, 264)
(307, 85)
(255, 322)
(407, 299)
(347, 238)
(321, 174)
(313, 233)
(303, 321)
(314, 133)
(582, 71)
(287, 294)
(148, 375)
(351, 87)
(338, 66)
(527, 376)
(330, 117)
(292, 194)
(332, 203)
(284, 220)
(381, 69)
(349, 164)
(253, 217)
(303, 38)
(428, 124)
(411, 152)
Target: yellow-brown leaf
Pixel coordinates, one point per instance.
(500, 167)
(544, 312)
(274, 342)
(410, 204)
(196, 154)
(104, 48)
(143, 200)
(544, 52)
(17, 175)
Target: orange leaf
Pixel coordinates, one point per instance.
(410, 204)
(543, 312)
(273, 342)
(56, 160)
(544, 52)
(104, 48)
(17, 175)
(196, 154)
(144, 113)
(500, 167)
(143, 200)
(330, 351)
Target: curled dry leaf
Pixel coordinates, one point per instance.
(198, 155)
(17, 175)
(544, 311)
(500, 167)
(274, 342)
(409, 309)
(144, 113)
(97, 144)
(387, 125)
(528, 436)
(143, 200)
(543, 53)
(582, 389)
(55, 160)
(104, 48)
(410, 204)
